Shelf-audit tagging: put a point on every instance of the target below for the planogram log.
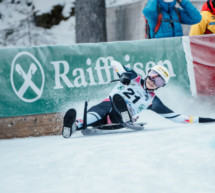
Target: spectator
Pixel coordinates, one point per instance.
(172, 17)
(207, 24)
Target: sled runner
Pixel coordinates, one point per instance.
(111, 128)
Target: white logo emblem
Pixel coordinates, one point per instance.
(24, 81)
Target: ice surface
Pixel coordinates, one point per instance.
(166, 157)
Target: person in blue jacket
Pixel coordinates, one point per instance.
(172, 18)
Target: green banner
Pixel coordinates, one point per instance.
(49, 79)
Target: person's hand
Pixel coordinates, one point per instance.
(125, 78)
(205, 120)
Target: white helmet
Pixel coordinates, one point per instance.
(162, 71)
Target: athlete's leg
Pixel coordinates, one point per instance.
(97, 114)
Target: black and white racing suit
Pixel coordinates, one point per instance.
(138, 99)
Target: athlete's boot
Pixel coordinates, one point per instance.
(121, 109)
(69, 123)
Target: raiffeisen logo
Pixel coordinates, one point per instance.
(27, 77)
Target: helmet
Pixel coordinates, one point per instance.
(162, 71)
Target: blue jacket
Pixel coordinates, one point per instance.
(189, 15)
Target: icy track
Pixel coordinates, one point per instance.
(163, 158)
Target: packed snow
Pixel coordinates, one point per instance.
(165, 157)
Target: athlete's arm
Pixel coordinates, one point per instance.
(125, 74)
(158, 107)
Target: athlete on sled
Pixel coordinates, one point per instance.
(138, 94)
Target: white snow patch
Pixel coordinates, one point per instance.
(45, 6)
(165, 156)
(169, 158)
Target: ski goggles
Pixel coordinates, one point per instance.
(156, 78)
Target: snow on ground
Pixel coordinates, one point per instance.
(165, 157)
(18, 29)
(45, 6)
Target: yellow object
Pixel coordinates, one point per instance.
(206, 26)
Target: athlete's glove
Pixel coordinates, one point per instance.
(205, 120)
(125, 78)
